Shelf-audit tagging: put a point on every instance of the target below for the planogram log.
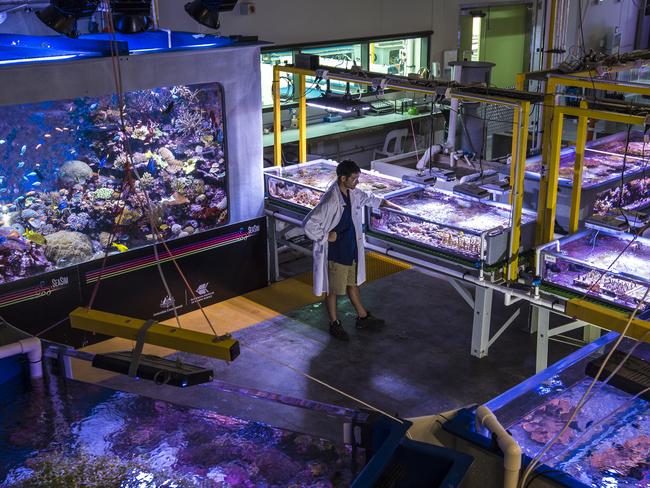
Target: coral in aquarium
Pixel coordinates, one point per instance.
(79, 435)
(607, 267)
(69, 175)
(443, 221)
(632, 195)
(303, 185)
(597, 167)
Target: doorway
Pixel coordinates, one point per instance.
(500, 34)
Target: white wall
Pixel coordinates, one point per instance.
(600, 19)
(300, 21)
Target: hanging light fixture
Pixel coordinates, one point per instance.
(206, 12)
(131, 16)
(62, 15)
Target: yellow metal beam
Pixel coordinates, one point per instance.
(576, 191)
(606, 317)
(302, 119)
(277, 118)
(520, 134)
(599, 84)
(553, 173)
(158, 334)
(547, 121)
(520, 81)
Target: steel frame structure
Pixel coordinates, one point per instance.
(586, 314)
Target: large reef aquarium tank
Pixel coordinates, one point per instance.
(606, 445)
(608, 162)
(74, 185)
(65, 433)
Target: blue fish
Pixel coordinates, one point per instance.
(152, 166)
(2, 141)
(36, 183)
(102, 162)
(219, 136)
(23, 149)
(33, 173)
(20, 164)
(63, 205)
(94, 106)
(3, 239)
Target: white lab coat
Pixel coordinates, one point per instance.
(322, 220)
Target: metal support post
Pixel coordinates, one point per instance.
(581, 139)
(517, 189)
(302, 119)
(548, 229)
(590, 333)
(274, 264)
(542, 317)
(481, 325)
(277, 118)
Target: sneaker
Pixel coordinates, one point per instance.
(369, 321)
(337, 331)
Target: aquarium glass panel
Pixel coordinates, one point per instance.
(443, 220)
(631, 196)
(605, 445)
(632, 144)
(68, 183)
(611, 268)
(598, 167)
(303, 185)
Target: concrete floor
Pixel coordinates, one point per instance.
(418, 364)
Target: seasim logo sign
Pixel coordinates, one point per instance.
(202, 293)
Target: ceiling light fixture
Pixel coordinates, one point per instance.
(206, 12)
(131, 16)
(62, 15)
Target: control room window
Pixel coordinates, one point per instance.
(268, 60)
(344, 56)
(398, 56)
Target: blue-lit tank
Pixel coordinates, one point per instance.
(78, 176)
(606, 444)
(67, 433)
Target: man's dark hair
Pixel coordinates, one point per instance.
(347, 168)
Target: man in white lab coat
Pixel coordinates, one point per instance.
(335, 226)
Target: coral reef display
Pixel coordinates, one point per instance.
(443, 221)
(635, 146)
(607, 444)
(72, 434)
(304, 184)
(612, 268)
(71, 177)
(597, 168)
(632, 195)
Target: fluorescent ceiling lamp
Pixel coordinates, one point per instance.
(341, 105)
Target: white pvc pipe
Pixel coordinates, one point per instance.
(509, 447)
(30, 346)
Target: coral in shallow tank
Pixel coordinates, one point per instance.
(66, 167)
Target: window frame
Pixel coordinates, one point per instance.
(365, 42)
